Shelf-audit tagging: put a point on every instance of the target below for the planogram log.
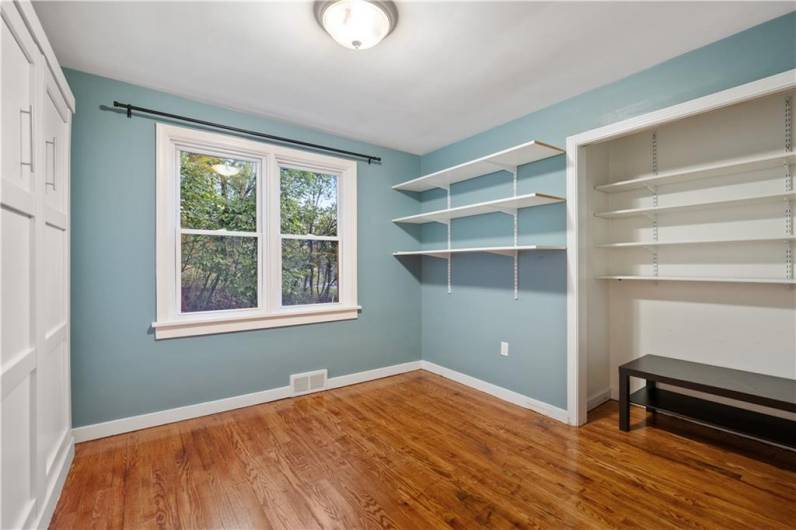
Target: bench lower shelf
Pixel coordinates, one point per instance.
(739, 421)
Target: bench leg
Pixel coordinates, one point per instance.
(624, 401)
(651, 387)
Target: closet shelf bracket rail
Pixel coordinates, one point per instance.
(788, 189)
(447, 189)
(654, 192)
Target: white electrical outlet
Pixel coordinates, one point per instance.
(504, 349)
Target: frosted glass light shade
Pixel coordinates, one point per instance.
(357, 24)
(226, 170)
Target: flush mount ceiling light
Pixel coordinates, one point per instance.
(357, 24)
(226, 169)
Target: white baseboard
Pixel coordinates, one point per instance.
(370, 375)
(51, 498)
(153, 419)
(499, 392)
(598, 398)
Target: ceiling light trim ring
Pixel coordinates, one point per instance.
(387, 7)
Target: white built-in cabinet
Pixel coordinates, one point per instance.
(36, 443)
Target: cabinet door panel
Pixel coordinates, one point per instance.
(18, 453)
(55, 145)
(17, 285)
(18, 116)
(53, 415)
(54, 281)
(53, 363)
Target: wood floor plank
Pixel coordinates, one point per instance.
(419, 451)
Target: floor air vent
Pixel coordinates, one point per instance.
(308, 382)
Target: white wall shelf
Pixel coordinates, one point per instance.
(632, 212)
(504, 251)
(715, 169)
(508, 160)
(782, 281)
(508, 205)
(636, 244)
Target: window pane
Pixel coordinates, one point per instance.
(309, 271)
(218, 272)
(217, 193)
(308, 203)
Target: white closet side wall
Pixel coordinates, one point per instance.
(596, 161)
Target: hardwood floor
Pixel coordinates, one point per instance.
(417, 451)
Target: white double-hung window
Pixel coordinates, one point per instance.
(251, 235)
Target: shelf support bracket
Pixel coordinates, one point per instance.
(515, 214)
(443, 186)
(516, 275)
(448, 191)
(504, 167)
(508, 253)
(788, 142)
(516, 258)
(654, 191)
(788, 124)
(513, 180)
(654, 152)
(788, 188)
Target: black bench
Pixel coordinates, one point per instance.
(775, 392)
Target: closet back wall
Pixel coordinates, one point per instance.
(118, 368)
(463, 330)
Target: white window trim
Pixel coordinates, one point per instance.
(270, 313)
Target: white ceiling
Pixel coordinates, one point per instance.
(448, 71)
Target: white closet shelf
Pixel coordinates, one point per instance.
(508, 159)
(632, 212)
(505, 251)
(740, 240)
(500, 205)
(782, 281)
(715, 169)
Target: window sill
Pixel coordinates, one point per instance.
(220, 323)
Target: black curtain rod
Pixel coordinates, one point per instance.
(132, 108)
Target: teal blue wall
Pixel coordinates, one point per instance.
(118, 369)
(462, 330)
